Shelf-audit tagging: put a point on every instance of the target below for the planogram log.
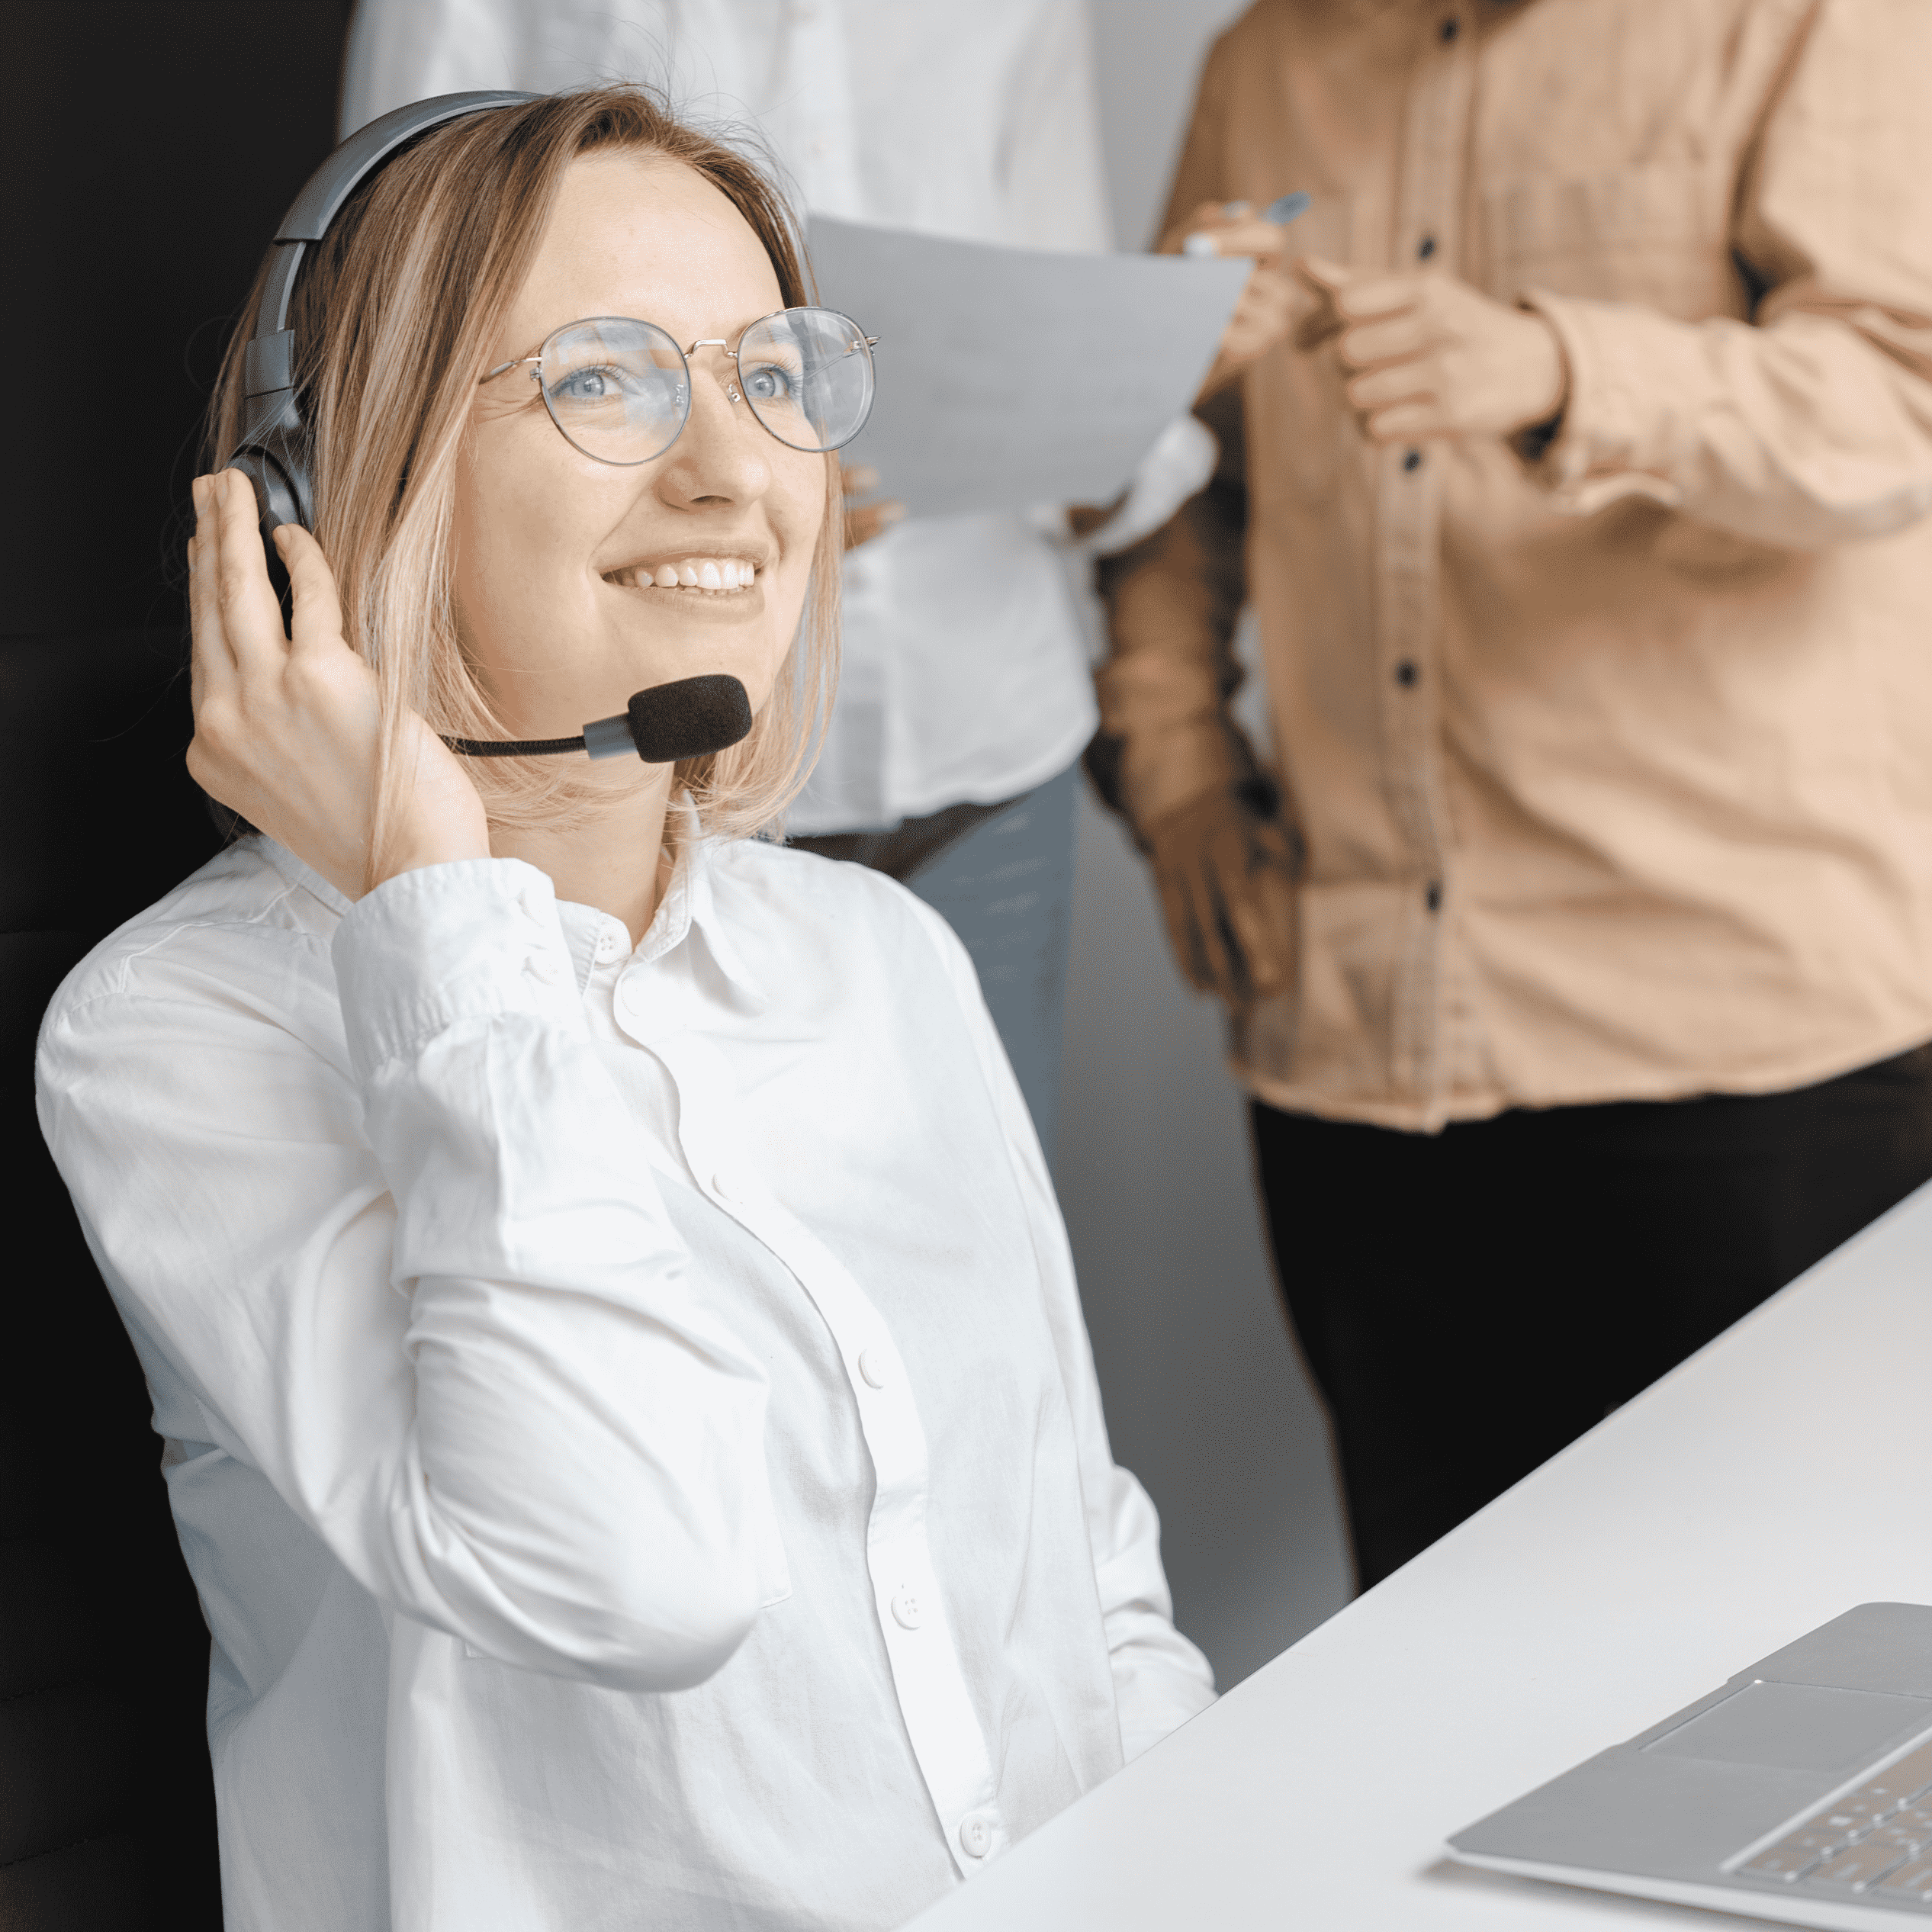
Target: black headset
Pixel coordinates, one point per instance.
(684, 719)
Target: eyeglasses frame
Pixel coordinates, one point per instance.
(684, 356)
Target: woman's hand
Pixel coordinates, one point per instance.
(288, 730)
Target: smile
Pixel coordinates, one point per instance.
(716, 574)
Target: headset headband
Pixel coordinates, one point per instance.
(274, 449)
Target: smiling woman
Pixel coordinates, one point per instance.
(628, 1410)
(455, 261)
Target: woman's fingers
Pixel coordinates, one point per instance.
(251, 616)
(317, 619)
(213, 659)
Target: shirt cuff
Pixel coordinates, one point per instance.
(1180, 464)
(1176, 742)
(475, 939)
(1611, 443)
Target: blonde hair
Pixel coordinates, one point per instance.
(395, 314)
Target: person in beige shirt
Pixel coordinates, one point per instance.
(1576, 932)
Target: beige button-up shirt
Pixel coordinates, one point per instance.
(1613, 768)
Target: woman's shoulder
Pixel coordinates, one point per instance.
(241, 926)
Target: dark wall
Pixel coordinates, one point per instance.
(149, 146)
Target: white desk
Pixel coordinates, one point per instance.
(1773, 1481)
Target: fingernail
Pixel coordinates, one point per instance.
(1199, 245)
(892, 513)
(861, 477)
(1284, 210)
(1235, 208)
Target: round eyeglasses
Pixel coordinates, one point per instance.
(619, 390)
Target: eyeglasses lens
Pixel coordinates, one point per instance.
(807, 376)
(617, 388)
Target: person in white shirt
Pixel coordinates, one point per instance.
(627, 1408)
(966, 697)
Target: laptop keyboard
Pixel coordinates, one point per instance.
(1874, 1844)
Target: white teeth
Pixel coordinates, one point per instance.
(694, 573)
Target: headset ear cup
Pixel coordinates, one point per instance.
(275, 499)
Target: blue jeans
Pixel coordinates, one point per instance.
(1006, 888)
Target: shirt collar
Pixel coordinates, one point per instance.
(297, 874)
(690, 904)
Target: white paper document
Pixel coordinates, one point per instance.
(1009, 376)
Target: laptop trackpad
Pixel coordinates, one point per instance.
(1797, 1727)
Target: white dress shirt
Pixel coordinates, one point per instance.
(965, 655)
(628, 1412)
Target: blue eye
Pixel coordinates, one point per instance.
(768, 383)
(591, 385)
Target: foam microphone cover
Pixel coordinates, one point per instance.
(688, 718)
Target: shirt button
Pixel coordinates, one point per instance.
(905, 1608)
(606, 946)
(1412, 459)
(544, 967)
(872, 1368)
(975, 1834)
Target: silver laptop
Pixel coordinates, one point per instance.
(1801, 1790)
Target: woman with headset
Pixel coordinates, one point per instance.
(627, 1407)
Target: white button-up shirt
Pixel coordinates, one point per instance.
(965, 657)
(628, 1412)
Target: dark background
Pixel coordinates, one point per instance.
(150, 148)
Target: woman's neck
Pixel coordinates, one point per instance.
(610, 858)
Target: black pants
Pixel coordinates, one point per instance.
(1470, 1301)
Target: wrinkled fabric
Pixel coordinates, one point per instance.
(1613, 762)
(628, 1412)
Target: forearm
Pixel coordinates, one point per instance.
(1173, 601)
(1815, 429)
(426, 1287)
(579, 1480)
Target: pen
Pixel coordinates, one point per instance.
(1280, 211)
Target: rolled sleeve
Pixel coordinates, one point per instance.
(1811, 423)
